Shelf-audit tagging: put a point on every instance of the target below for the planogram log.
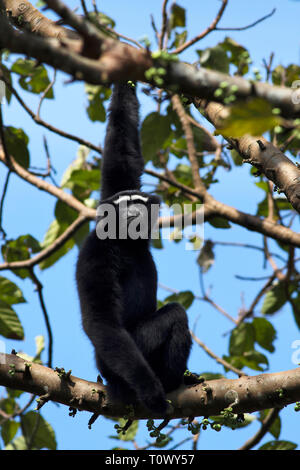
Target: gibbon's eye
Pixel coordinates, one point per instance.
(137, 197)
(121, 199)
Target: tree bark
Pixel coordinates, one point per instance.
(245, 394)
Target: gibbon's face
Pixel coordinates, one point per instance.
(130, 215)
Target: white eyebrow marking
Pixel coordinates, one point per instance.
(136, 197)
(121, 198)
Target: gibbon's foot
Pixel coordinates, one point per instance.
(190, 378)
(156, 401)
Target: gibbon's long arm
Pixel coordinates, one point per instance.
(122, 163)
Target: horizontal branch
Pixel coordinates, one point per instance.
(39, 183)
(245, 394)
(119, 61)
(212, 207)
(42, 255)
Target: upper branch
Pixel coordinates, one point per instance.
(116, 61)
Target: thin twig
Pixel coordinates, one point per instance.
(242, 28)
(48, 88)
(85, 11)
(266, 424)
(8, 162)
(45, 124)
(208, 30)
(178, 107)
(44, 254)
(218, 359)
(164, 24)
(39, 288)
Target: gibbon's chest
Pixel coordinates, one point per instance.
(138, 281)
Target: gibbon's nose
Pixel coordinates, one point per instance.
(133, 211)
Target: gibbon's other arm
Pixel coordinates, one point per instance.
(122, 164)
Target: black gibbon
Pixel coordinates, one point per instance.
(142, 352)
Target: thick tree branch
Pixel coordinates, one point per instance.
(246, 394)
(115, 61)
(260, 153)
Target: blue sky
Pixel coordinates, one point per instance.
(30, 211)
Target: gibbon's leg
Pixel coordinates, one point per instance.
(125, 368)
(101, 300)
(165, 342)
(122, 164)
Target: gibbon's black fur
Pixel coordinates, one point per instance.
(142, 352)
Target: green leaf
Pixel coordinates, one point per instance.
(254, 117)
(10, 292)
(20, 250)
(40, 346)
(97, 94)
(86, 179)
(131, 431)
(177, 17)
(16, 142)
(78, 163)
(64, 214)
(33, 78)
(51, 235)
(8, 405)
(10, 326)
(296, 310)
(285, 75)
(238, 55)
(8, 430)
(219, 222)
(37, 431)
(211, 376)
(180, 38)
(279, 445)
(185, 298)
(265, 333)
(274, 299)
(275, 427)
(183, 174)
(214, 58)
(102, 19)
(17, 444)
(252, 359)
(81, 234)
(237, 159)
(154, 132)
(242, 339)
